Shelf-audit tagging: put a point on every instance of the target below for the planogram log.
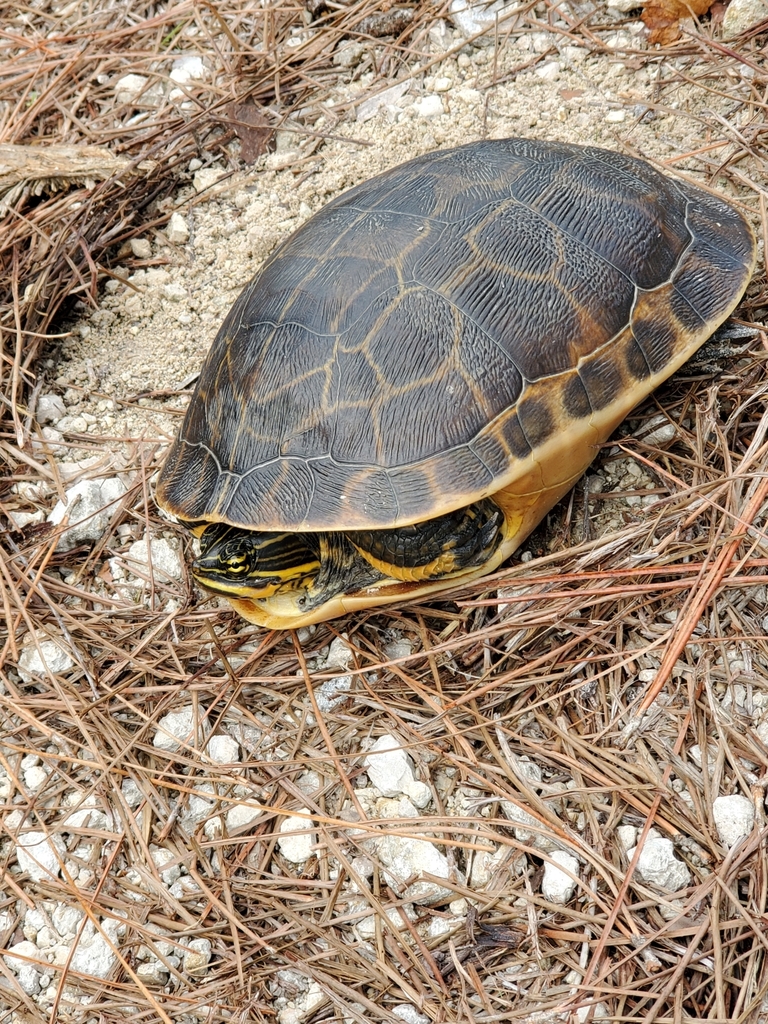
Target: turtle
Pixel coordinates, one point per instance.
(427, 365)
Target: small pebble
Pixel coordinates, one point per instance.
(27, 974)
(298, 847)
(188, 68)
(429, 106)
(36, 660)
(20, 520)
(557, 886)
(549, 71)
(626, 836)
(50, 409)
(340, 654)
(129, 87)
(206, 177)
(223, 750)
(388, 765)
(141, 248)
(240, 815)
(734, 818)
(592, 1011)
(175, 728)
(153, 972)
(659, 865)
(40, 856)
(657, 430)
(741, 15)
(165, 558)
(34, 778)
(89, 506)
(404, 859)
(471, 18)
(161, 858)
(177, 231)
(175, 292)
(197, 958)
(408, 1013)
(95, 951)
(387, 100)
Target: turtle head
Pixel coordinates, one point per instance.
(251, 564)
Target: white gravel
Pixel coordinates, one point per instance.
(89, 506)
(298, 846)
(39, 855)
(557, 885)
(734, 818)
(405, 858)
(659, 865)
(177, 728)
(39, 657)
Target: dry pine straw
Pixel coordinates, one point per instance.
(547, 670)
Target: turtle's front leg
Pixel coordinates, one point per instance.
(436, 548)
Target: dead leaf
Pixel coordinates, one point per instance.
(662, 17)
(253, 128)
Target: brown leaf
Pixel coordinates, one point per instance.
(253, 128)
(662, 17)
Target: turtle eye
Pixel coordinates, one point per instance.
(236, 563)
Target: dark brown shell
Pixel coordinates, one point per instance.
(408, 349)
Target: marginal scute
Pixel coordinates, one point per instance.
(655, 336)
(602, 379)
(468, 323)
(536, 420)
(189, 479)
(637, 364)
(575, 397)
(512, 433)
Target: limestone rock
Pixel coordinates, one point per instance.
(734, 817)
(40, 856)
(659, 865)
(471, 18)
(50, 408)
(165, 558)
(557, 886)
(36, 660)
(389, 767)
(196, 959)
(89, 506)
(297, 847)
(94, 954)
(404, 858)
(743, 14)
(177, 728)
(177, 230)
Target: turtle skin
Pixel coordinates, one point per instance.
(471, 323)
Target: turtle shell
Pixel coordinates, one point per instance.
(450, 327)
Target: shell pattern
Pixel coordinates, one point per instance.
(410, 347)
